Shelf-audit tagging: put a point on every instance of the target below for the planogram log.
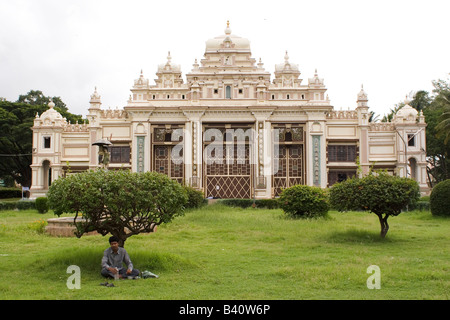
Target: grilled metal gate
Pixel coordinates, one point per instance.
(227, 169)
(168, 151)
(289, 160)
(290, 168)
(164, 163)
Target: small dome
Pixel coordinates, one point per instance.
(406, 114)
(406, 111)
(95, 97)
(286, 66)
(51, 115)
(362, 95)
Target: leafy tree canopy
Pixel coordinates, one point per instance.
(381, 194)
(121, 202)
(37, 98)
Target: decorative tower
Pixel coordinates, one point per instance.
(411, 145)
(46, 163)
(95, 131)
(363, 128)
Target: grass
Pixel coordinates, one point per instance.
(226, 253)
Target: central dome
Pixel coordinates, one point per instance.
(227, 41)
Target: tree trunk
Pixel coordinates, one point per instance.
(384, 224)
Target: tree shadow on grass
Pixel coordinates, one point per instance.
(89, 261)
(358, 236)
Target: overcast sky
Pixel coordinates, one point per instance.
(66, 48)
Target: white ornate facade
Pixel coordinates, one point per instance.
(231, 131)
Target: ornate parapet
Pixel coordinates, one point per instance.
(381, 126)
(342, 114)
(76, 127)
(113, 114)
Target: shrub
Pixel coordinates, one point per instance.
(41, 204)
(419, 205)
(38, 226)
(440, 199)
(304, 201)
(196, 198)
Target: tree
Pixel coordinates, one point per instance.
(121, 202)
(16, 136)
(381, 194)
(373, 117)
(390, 116)
(16, 120)
(443, 128)
(438, 150)
(421, 100)
(37, 98)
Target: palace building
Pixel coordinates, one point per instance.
(232, 130)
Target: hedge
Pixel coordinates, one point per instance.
(20, 205)
(6, 193)
(247, 203)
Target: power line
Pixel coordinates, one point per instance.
(16, 155)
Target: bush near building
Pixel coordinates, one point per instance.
(41, 204)
(196, 199)
(304, 201)
(440, 199)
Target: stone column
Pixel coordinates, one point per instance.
(262, 153)
(193, 148)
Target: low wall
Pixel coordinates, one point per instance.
(63, 227)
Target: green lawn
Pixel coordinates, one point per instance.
(227, 253)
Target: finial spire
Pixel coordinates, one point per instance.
(169, 58)
(228, 30)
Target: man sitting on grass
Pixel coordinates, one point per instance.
(113, 259)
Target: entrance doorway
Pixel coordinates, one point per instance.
(226, 157)
(168, 151)
(289, 159)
